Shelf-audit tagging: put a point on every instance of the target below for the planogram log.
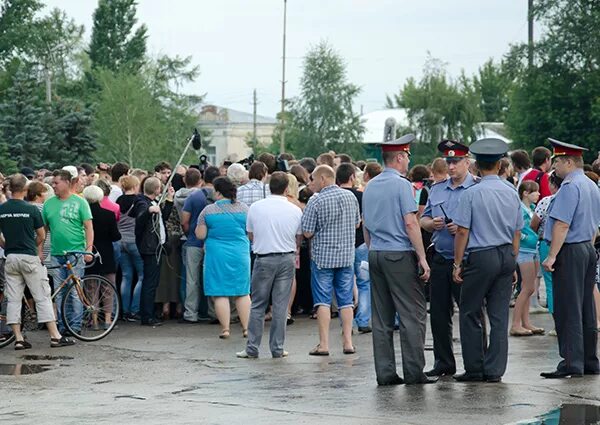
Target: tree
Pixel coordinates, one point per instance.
(17, 26)
(559, 96)
(493, 85)
(115, 45)
(21, 122)
(128, 120)
(438, 108)
(322, 117)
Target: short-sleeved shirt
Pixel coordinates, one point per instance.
(491, 210)
(576, 203)
(542, 178)
(252, 191)
(443, 195)
(332, 216)
(65, 220)
(387, 199)
(541, 210)
(194, 204)
(18, 223)
(274, 223)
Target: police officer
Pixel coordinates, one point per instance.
(437, 219)
(393, 235)
(572, 224)
(489, 224)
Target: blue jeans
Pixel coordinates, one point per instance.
(183, 284)
(544, 249)
(130, 259)
(325, 282)
(75, 307)
(363, 283)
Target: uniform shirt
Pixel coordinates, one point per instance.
(576, 203)
(386, 200)
(274, 223)
(18, 222)
(443, 195)
(252, 191)
(65, 220)
(332, 216)
(491, 211)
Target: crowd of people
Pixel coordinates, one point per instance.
(376, 246)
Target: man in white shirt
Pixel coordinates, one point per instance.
(274, 227)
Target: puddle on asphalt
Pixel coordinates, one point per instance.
(568, 414)
(45, 357)
(23, 369)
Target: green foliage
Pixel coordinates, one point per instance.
(115, 45)
(21, 123)
(17, 27)
(493, 86)
(322, 118)
(559, 96)
(438, 108)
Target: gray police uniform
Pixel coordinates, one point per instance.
(443, 198)
(395, 286)
(492, 212)
(577, 203)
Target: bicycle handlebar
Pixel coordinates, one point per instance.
(75, 254)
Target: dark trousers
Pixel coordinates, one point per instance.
(149, 285)
(573, 283)
(395, 288)
(441, 309)
(487, 278)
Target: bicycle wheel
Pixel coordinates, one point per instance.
(28, 323)
(91, 308)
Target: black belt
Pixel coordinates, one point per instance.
(274, 254)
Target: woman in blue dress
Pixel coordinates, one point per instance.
(227, 254)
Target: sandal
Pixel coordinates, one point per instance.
(22, 345)
(538, 331)
(61, 342)
(224, 334)
(316, 352)
(350, 350)
(526, 332)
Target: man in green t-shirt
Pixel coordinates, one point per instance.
(69, 219)
(23, 236)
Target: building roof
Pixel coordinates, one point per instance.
(210, 114)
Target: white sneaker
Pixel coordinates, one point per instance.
(245, 355)
(538, 310)
(552, 332)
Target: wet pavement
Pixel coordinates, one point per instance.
(185, 374)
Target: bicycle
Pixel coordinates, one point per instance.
(94, 297)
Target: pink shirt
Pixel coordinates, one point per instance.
(107, 204)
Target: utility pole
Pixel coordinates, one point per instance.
(282, 141)
(530, 33)
(254, 139)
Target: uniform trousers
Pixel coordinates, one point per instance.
(573, 283)
(487, 280)
(395, 288)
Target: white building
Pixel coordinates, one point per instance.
(230, 132)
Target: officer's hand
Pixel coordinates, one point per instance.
(438, 223)
(515, 278)
(452, 228)
(548, 264)
(457, 275)
(426, 271)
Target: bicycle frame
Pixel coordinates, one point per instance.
(71, 278)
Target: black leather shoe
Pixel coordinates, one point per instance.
(153, 323)
(469, 377)
(425, 380)
(560, 375)
(440, 372)
(591, 372)
(396, 381)
(492, 379)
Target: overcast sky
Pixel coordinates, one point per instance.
(238, 43)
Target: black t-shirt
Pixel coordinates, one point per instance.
(360, 237)
(18, 223)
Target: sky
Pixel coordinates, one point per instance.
(238, 43)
